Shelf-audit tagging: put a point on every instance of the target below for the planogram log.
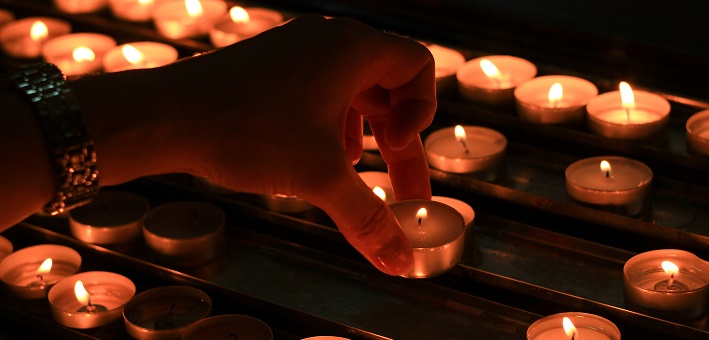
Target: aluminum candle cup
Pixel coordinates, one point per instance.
(79, 6)
(698, 133)
(448, 61)
(588, 327)
(109, 292)
(379, 179)
(132, 10)
(484, 156)
(540, 101)
(464, 209)
(236, 26)
(498, 88)
(185, 233)
(286, 204)
(18, 42)
(5, 247)
(112, 217)
(438, 240)
(138, 55)
(79, 53)
(607, 118)
(230, 325)
(21, 273)
(165, 312)
(647, 288)
(174, 20)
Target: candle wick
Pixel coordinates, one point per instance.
(627, 114)
(573, 336)
(465, 146)
(39, 277)
(608, 174)
(497, 82)
(419, 220)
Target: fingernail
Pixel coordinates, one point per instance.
(396, 257)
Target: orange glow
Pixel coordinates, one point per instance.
(82, 54)
(627, 96)
(45, 267)
(239, 15)
(556, 93)
(606, 167)
(38, 31)
(460, 133)
(490, 70)
(569, 328)
(670, 268)
(145, 2)
(421, 215)
(132, 54)
(194, 8)
(380, 192)
(81, 294)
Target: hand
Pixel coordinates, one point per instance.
(282, 113)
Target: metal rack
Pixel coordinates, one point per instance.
(534, 253)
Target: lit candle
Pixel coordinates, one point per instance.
(111, 218)
(448, 61)
(466, 149)
(79, 6)
(185, 233)
(381, 180)
(165, 312)
(627, 114)
(137, 55)
(188, 19)
(554, 99)
(229, 326)
(30, 272)
(90, 299)
(573, 326)
(132, 10)
(616, 184)
(436, 232)
(492, 79)
(286, 204)
(667, 283)
(79, 53)
(24, 38)
(5, 247)
(243, 23)
(698, 133)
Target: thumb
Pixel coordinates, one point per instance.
(368, 224)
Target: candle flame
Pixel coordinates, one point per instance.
(460, 133)
(194, 8)
(38, 31)
(145, 2)
(82, 54)
(132, 54)
(45, 267)
(556, 93)
(670, 268)
(239, 15)
(606, 168)
(490, 70)
(569, 327)
(380, 192)
(421, 215)
(81, 294)
(627, 96)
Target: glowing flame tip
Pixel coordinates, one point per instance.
(83, 54)
(380, 192)
(45, 267)
(132, 54)
(81, 294)
(239, 15)
(38, 30)
(569, 327)
(194, 8)
(490, 70)
(460, 133)
(670, 268)
(556, 93)
(626, 95)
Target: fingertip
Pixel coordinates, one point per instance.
(406, 120)
(396, 257)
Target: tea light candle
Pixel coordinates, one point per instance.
(286, 204)
(554, 99)
(138, 55)
(24, 38)
(229, 326)
(112, 217)
(492, 79)
(435, 231)
(5, 247)
(5, 17)
(132, 10)
(185, 233)
(188, 19)
(78, 53)
(566, 326)
(612, 183)
(79, 6)
(447, 63)
(465, 149)
(667, 283)
(627, 114)
(90, 299)
(165, 312)
(381, 180)
(243, 23)
(30, 272)
(698, 133)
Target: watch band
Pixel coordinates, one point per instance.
(65, 131)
